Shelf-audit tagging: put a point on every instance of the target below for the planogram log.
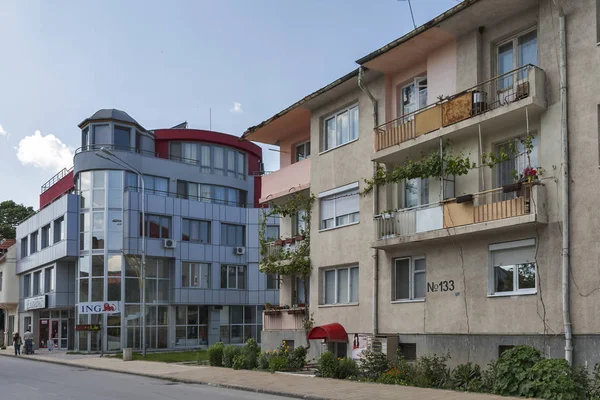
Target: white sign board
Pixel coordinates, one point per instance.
(34, 303)
(99, 307)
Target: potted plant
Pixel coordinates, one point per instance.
(530, 174)
(299, 237)
(289, 240)
(268, 306)
(301, 305)
(279, 242)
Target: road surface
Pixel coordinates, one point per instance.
(33, 380)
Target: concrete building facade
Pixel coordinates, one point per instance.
(83, 249)
(468, 264)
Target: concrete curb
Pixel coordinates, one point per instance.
(171, 379)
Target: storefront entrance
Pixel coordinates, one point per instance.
(55, 331)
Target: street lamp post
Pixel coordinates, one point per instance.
(109, 153)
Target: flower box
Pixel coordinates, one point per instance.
(279, 242)
(299, 238)
(512, 187)
(289, 240)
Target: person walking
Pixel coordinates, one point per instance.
(28, 336)
(17, 342)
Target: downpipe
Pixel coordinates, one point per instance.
(375, 255)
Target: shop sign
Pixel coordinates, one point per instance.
(34, 303)
(87, 328)
(99, 307)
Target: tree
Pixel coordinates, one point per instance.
(11, 214)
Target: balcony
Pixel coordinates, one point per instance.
(470, 214)
(490, 105)
(290, 179)
(281, 251)
(284, 319)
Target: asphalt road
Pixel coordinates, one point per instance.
(32, 380)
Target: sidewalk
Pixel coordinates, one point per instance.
(304, 387)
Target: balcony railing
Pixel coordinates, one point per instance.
(61, 174)
(487, 206)
(114, 147)
(275, 250)
(497, 92)
(284, 320)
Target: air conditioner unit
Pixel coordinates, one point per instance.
(238, 251)
(169, 243)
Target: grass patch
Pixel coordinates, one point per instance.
(172, 356)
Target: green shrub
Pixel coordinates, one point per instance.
(240, 362)
(346, 368)
(251, 350)
(328, 365)
(297, 359)
(553, 379)
(372, 365)
(215, 354)
(229, 353)
(432, 371)
(391, 377)
(263, 361)
(594, 384)
(510, 371)
(467, 377)
(277, 363)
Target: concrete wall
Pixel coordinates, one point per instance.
(9, 292)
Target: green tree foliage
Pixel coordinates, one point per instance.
(11, 214)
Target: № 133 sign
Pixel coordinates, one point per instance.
(99, 307)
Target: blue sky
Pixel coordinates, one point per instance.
(166, 62)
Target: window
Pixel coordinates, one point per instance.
(49, 280)
(302, 290)
(341, 128)
(416, 192)
(299, 224)
(340, 349)
(412, 97)
(122, 138)
(195, 231)
(24, 247)
(156, 185)
(303, 151)
(85, 137)
(241, 165)
(157, 226)
(513, 268)
(233, 276)
(341, 286)
(505, 170)
(33, 241)
(240, 323)
(219, 165)
(233, 235)
(59, 232)
(27, 323)
(27, 285)
(272, 282)
(515, 53)
(195, 275)
(272, 233)
(211, 193)
(191, 326)
(339, 206)
(409, 279)
(408, 350)
(37, 283)
(185, 152)
(45, 236)
(101, 134)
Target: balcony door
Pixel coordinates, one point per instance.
(515, 53)
(412, 97)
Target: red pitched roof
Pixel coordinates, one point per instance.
(6, 243)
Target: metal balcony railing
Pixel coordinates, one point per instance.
(497, 92)
(61, 174)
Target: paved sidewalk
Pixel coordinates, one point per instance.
(297, 386)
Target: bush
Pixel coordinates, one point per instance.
(277, 363)
(432, 371)
(394, 376)
(240, 362)
(297, 359)
(215, 354)
(251, 350)
(467, 377)
(229, 353)
(510, 371)
(346, 368)
(372, 365)
(263, 361)
(553, 379)
(328, 365)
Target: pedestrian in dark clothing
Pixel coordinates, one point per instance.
(17, 342)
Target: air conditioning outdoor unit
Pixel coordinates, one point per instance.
(169, 243)
(238, 251)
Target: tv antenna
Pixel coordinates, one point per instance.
(411, 13)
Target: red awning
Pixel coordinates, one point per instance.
(330, 332)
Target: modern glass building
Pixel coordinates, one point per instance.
(202, 283)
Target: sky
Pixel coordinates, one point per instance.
(168, 62)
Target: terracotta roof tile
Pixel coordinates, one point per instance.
(6, 243)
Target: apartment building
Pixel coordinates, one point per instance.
(440, 259)
(9, 291)
(183, 197)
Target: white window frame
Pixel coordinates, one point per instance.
(411, 279)
(515, 43)
(519, 244)
(324, 144)
(331, 195)
(306, 146)
(51, 281)
(202, 267)
(416, 82)
(349, 301)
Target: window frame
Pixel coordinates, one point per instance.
(190, 221)
(334, 116)
(505, 246)
(337, 270)
(237, 274)
(411, 279)
(202, 267)
(160, 218)
(306, 146)
(514, 39)
(24, 246)
(33, 239)
(332, 195)
(45, 236)
(225, 232)
(50, 283)
(60, 232)
(274, 279)
(122, 129)
(27, 278)
(417, 83)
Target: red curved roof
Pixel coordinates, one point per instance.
(331, 332)
(200, 135)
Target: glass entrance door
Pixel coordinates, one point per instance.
(44, 333)
(55, 337)
(64, 334)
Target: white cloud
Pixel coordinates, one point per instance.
(2, 131)
(237, 108)
(46, 152)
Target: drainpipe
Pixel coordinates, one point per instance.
(565, 181)
(375, 255)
